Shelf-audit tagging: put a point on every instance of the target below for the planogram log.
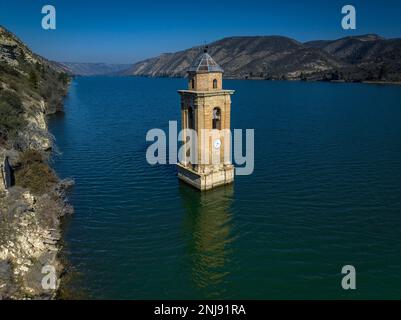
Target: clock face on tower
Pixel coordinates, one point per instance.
(217, 144)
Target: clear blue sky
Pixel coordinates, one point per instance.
(127, 31)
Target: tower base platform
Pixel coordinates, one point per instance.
(206, 181)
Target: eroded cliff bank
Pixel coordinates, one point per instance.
(32, 198)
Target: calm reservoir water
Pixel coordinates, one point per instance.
(326, 192)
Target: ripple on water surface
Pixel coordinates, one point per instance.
(325, 192)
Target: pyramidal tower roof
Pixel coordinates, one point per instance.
(205, 63)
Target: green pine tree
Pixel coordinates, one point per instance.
(33, 79)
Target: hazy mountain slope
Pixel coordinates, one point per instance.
(274, 57)
(367, 57)
(243, 57)
(94, 69)
(354, 49)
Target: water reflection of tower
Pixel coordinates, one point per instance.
(208, 227)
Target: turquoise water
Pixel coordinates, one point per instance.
(326, 192)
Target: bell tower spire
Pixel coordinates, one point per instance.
(205, 113)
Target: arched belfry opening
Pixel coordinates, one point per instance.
(206, 108)
(191, 117)
(216, 122)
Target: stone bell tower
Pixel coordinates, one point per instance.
(205, 109)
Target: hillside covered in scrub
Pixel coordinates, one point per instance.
(359, 58)
(31, 88)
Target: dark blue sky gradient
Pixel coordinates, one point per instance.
(127, 31)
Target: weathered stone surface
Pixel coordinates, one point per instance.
(212, 167)
(204, 81)
(27, 245)
(206, 181)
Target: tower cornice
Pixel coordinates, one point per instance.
(206, 93)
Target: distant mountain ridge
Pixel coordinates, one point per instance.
(360, 58)
(94, 69)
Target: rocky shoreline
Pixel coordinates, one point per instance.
(30, 225)
(33, 200)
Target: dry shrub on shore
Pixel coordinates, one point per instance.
(34, 173)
